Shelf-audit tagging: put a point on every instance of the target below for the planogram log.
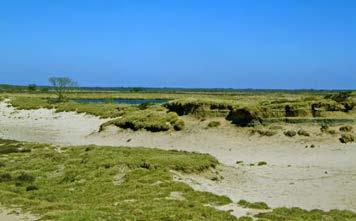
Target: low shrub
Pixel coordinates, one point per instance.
(303, 133)
(256, 205)
(261, 163)
(214, 124)
(244, 117)
(346, 128)
(327, 129)
(290, 133)
(13, 149)
(31, 188)
(24, 178)
(324, 128)
(266, 133)
(200, 107)
(5, 177)
(347, 138)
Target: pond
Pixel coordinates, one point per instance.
(121, 101)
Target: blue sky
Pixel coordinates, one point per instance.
(285, 44)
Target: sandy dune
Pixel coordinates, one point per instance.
(322, 177)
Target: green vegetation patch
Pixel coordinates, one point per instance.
(347, 138)
(105, 183)
(255, 205)
(304, 133)
(212, 124)
(290, 133)
(346, 128)
(149, 120)
(297, 214)
(201, 107)
(106, 110)
(265, 132)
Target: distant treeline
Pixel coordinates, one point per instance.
(37, 88)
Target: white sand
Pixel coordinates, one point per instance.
(323, 177)
(15, 215)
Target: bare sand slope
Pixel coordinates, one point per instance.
(322, 177)
(14, 215)
(47, 126)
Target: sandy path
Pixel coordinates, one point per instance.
(322, 177)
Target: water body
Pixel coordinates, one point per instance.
(122, 101)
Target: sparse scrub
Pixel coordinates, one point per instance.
(212, 124)
(290, 133)
(303, 133)
(346, 128)
(266, 133)
(261, 163)
(327, 129)
(347, 138)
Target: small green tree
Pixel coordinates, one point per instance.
(32, 87)
(61, 85)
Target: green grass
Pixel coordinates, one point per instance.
(106, 110)
(150, 120)
(78, 183)
(255, 205)
(297, 214)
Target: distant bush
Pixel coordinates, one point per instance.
(346, 128)
(264, 133)
(32, 87)
(214, 124)
(290, 133)
(303, 133)
(327, 129)
(347, 138)
(261, 163)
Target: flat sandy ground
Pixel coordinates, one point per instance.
(322, 177)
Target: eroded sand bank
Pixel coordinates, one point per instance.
(323, 177)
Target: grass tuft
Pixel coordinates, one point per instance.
(256, 205)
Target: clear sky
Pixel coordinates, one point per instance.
(180, 43)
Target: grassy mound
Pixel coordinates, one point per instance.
(153, 121)
(201, 107)
(244, 117)
(105, 183)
